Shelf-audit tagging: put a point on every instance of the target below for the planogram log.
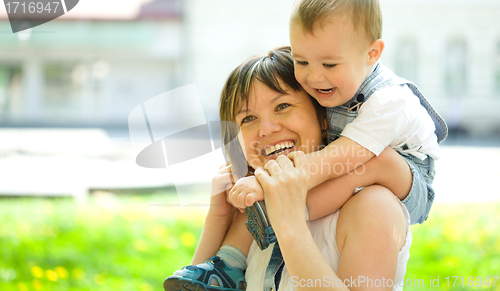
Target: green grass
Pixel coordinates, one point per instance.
(461, 240)
(106, 245)
(129, 244)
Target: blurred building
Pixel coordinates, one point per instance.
(91, 67)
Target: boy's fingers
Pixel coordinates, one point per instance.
(241, 200)
(232, 194)
(250, 199)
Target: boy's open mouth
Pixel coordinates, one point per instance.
(325, 91)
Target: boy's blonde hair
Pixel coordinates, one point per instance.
(366, 15)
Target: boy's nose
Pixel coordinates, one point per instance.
(314, 75)
(268, 127)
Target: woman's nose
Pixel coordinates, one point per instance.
(268, 127)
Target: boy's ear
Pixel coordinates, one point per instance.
(375, 51)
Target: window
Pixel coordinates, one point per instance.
(11, 84)
(407, 59)
(456, 67)
(62, 91)
(497, 69)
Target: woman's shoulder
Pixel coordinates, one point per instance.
(374, 212)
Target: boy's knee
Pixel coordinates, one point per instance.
(388, 157)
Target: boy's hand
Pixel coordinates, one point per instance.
(245, 192)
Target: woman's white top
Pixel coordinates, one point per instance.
(324, 234)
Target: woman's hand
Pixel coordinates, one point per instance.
(221, 184)
(285, 189)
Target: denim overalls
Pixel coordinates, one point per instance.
(421, 196)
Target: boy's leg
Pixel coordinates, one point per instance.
(238, 236)
(389, 169)
(236, 244)
(225, 271)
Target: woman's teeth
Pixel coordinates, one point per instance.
(325, 91)
(279, 148)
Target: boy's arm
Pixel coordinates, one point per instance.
(336, 159)
(326, 198)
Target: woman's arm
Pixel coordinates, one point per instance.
(371, 230)
(370, 233)
(212, 235)
(285, 190)
(219, 217)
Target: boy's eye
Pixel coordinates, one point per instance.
(301, 63)
(247, 119)
(282, 106)
(329, 65)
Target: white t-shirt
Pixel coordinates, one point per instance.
(393, 116)
(324, 233)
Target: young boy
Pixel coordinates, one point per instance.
(372, 113)
(381, 129)
(336, 46)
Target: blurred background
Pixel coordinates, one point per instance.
(68, 86)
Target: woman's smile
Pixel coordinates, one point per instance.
(282, 147)
(277, 124)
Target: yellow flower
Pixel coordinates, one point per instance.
(37, 284)
(141, 245)
(145, 287)
(51, 275)
(99, 279)
(37, 272)
(188, 239)
(62, 272)
(79, 274)
(22, 287)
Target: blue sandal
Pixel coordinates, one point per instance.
(213, 275)
(259, 226)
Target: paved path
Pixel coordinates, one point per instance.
(69, 162)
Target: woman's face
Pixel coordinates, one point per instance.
(277, 124)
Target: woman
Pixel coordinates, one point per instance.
(367, 241)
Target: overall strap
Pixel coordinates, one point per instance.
(274, 269)
(383, 77)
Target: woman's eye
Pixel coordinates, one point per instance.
(329, 65)
(247, 119)
(282, 106)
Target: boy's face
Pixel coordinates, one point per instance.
(332, 63)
